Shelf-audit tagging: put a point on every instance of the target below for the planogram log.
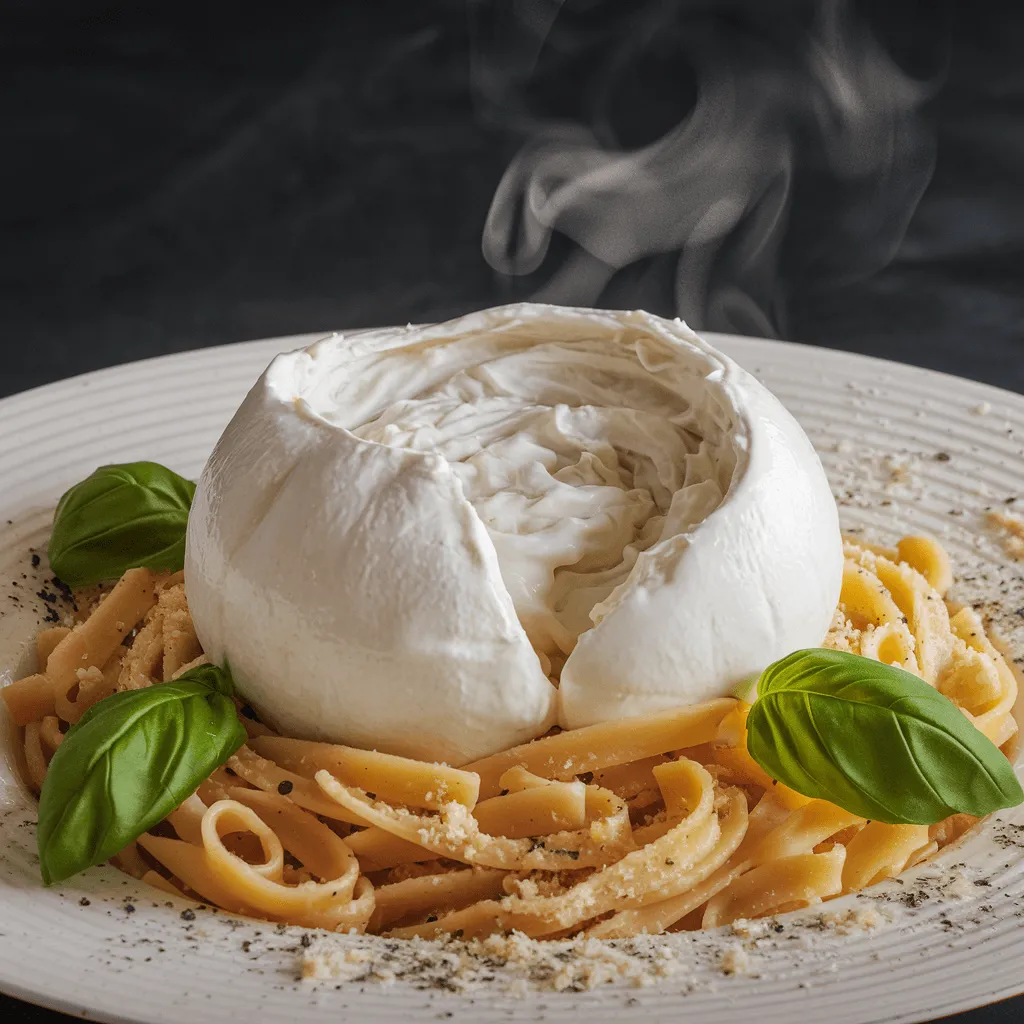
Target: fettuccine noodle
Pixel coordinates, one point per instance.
(641, 825)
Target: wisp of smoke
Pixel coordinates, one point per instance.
(714, 194)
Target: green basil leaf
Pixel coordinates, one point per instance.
(119, 518)
(875, 740)
(131, 760)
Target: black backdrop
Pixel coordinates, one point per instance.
(174, 176)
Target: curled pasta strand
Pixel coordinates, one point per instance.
(321, 851)
(268, 776)
(233, 816)
(434, 894)
(188, 863)
(997, 721)
(862, 596)
(891, 608)
(798, 833)
(787, 883)
(928, 558)
(40, 740)
(593, 748)
(710, 876)
(341, 900)
(881, 851)
(631, 779)
(925, 613)
(92, 643)
(394, 779)
(378, 850)
(534, 810)
(911, 621)
(683, 792)
(455, 833)
(641, 876)
(771, 832)
(870, 609)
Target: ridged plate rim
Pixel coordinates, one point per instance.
(91, 960)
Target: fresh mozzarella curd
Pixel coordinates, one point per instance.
(440, 541)
(572, 457)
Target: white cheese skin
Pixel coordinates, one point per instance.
(404, 533)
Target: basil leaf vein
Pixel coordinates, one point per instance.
(131, 760)
(875, 740)
(119, 518)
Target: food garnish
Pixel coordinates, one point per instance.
(875, 740)
(131, 760)
(121, 517)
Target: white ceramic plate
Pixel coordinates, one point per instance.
(907, 450)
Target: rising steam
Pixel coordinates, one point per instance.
(714, 194)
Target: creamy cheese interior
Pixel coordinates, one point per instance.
(576, 455)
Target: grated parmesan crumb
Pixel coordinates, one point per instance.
(1011, 529)
(857, 919)
(515, 963)
(899, 468)
(735, 960)
(958, 886)
(746, 929)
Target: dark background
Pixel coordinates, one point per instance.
(174, 176)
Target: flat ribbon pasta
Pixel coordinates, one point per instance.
(455, 833)
(773, 833)
(642, 825)
(339, 901)
(678, 859)
(784, 884)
